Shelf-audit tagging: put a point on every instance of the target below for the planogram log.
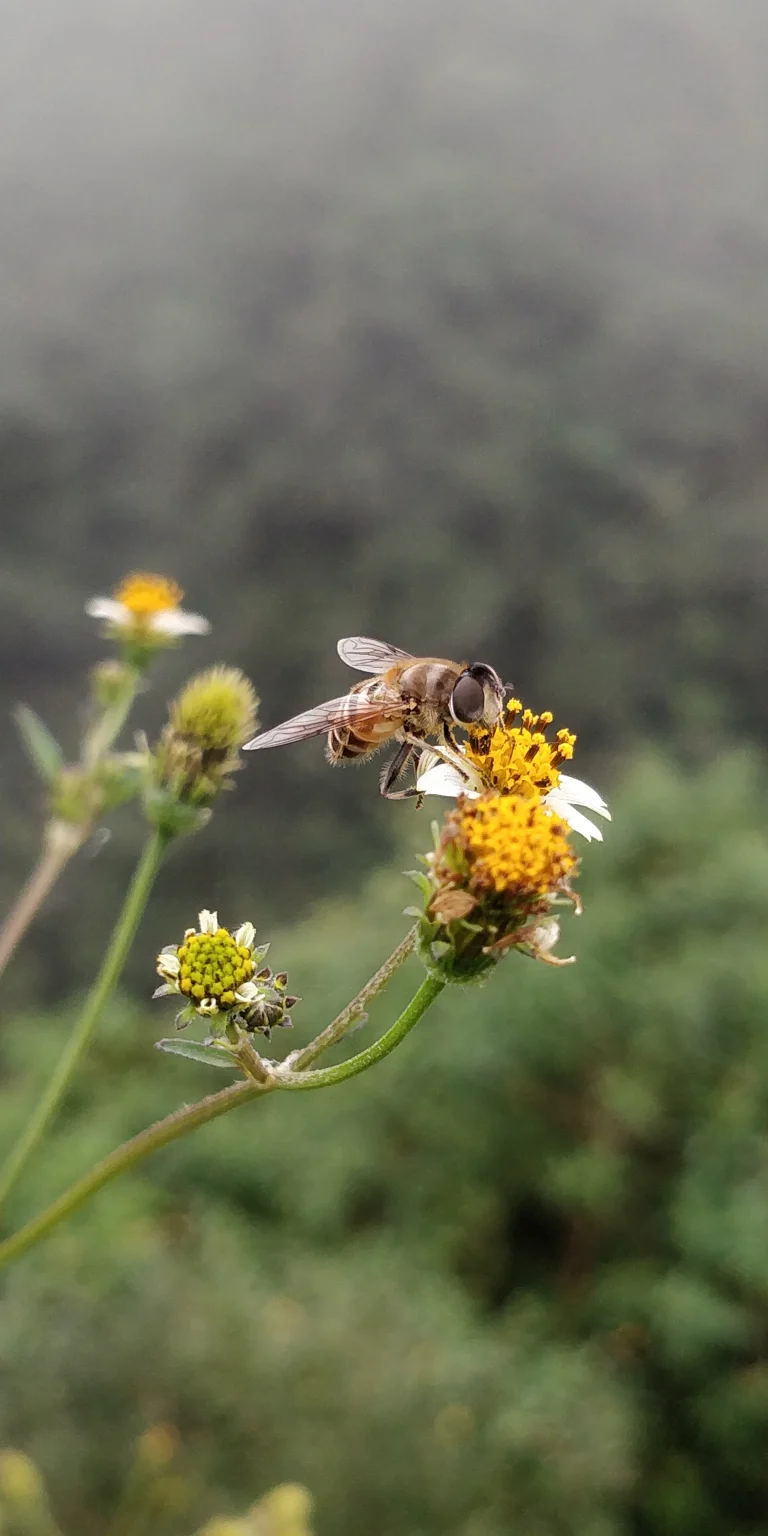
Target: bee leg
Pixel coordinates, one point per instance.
(394, 771)
(446, 750)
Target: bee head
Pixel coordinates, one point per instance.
(478, 696)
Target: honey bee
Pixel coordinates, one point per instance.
(409, 699)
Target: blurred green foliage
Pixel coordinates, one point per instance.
(453, 332)
(444, 323)
(153, 1498)
(513, 1279)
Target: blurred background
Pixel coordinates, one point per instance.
(447, 324)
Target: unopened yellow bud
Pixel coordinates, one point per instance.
(20, 1482)
(156, 1448)
(112, 680)
(216, 710)
(209, 721)
(285, 1511)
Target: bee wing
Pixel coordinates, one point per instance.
(370, 655)
(315, 722)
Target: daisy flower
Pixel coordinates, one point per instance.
(147, 607)
(518, 759)
(216, 974)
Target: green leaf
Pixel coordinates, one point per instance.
(419, 879)
(210, 1055)
(42, 747)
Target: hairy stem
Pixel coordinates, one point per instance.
(62, 838)
(324, 1077)
(60, 843)
(106, 729)
(339, 1026)
(192, 1116)
(80, 1038)
(180, 1123)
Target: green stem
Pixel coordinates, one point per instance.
(104, 733)
(324, 1077)
(180, 1123)
(192, 1116)
(339, 1026)
(80, 1038)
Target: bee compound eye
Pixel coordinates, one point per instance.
(467, 700)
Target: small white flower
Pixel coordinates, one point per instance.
(216, 972)
(435, 777)
(145, 604)
(169, 621)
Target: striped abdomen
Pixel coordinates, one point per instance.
(416, 693)
(370, 715)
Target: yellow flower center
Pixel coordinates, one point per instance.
(144, 594)
(213, 966)
(518, 759)
(513, 846)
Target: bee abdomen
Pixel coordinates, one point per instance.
(345, 743)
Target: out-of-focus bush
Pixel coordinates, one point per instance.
(151, 1500)
(514, 1278)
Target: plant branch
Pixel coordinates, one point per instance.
(60, 843)
(325, 1077)
(180, 1123)
(190, 1117)
(80, 1038)
(338, 1028)
(62, 839)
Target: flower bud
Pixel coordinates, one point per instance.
(112, 681)
(199, 747)
(157, 1447)
(21, 1485)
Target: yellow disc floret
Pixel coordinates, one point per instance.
(212, 967)
(499, 864)
(144, 594)
(513, 847)
(517, 759)
(217, 973)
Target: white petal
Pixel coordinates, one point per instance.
(107, 608)
(245, 935)
(545, 935)
(444, 779)
(579, 793)
(207, 1005)
(174, 621)
(168, 964)
(561, 807)
(208, 922)
(248, 992)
